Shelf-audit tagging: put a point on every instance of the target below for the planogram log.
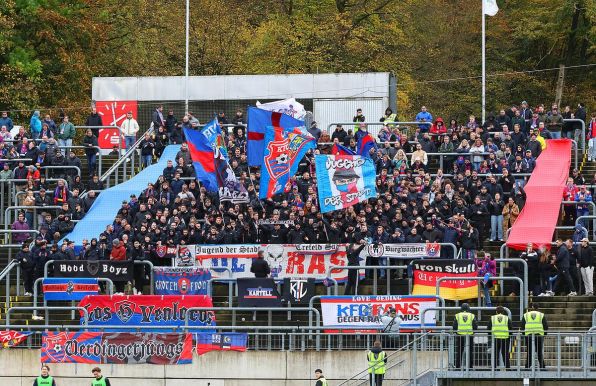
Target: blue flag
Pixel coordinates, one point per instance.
(365, 143)
(285, 148)
(228, 341)
(338, 149)
(201, 152)
(258, 120)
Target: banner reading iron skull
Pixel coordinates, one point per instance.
(344, 180)
(285, 260)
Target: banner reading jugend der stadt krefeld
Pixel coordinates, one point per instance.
(285, 260)
(365, 312)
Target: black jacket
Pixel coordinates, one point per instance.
(563, 257)
(586, 256)
(260, 268)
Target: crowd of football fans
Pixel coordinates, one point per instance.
(440, 181)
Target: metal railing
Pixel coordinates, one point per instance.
(497, 278)
(45, 302)
(47, 309)
(8, 217)
(127, 160)
(373, 268)
(105, 127)
(47, 168)
(136, 262)
(444, 314)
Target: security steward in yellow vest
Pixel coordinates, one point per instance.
(534, 326)
(45, 379)
(377, 364)
(389, 118)
(500, 326)
(464, 326)
(321, 381)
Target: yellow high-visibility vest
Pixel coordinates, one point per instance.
(376, 365)
(500, 326)
(534, 323)
(465, 323)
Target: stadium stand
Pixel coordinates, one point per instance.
(439, 185)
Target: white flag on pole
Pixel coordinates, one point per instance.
(286, 106)
(490, 7)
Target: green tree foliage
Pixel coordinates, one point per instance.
(51, 49)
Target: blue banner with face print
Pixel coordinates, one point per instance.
(344, 180)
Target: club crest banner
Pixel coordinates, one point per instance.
(283, 151)
(181, 280)
(427, 272)
(55, 288)
(116, 348)
(344, 180)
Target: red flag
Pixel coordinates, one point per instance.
(13, 338)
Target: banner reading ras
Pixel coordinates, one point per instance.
(286, 260)
(147, 310)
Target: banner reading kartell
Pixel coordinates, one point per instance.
(285, 260)
(427, 272)
(116, 348)
(258, 292)
(365, 312)
(147, 310)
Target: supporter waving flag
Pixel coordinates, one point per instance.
(365, 143)
(344, 180)
(201, 153)
(285, 148)
(258, 121)
(338, 149)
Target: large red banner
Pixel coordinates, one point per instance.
(148, 310)
(113, 113)
(119, 348)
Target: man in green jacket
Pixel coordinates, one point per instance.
(66, 133)
(554, 123)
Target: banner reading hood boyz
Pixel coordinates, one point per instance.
(286, 260)
(113, 270)
(119, 348)
(365, 311)
(427, 272)
(147, 310)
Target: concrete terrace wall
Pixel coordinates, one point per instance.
(19, 367)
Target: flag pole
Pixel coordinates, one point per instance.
(483, 64)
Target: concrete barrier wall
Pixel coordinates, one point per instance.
(19, 367)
